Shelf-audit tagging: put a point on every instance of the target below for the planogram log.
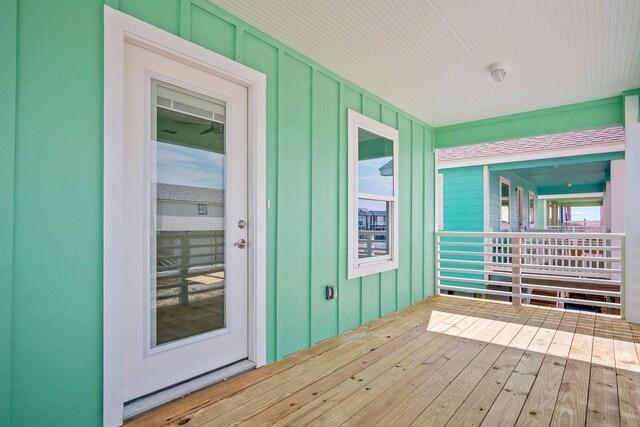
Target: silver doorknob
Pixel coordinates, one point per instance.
(241, 243)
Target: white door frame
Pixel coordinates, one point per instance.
(118, 29)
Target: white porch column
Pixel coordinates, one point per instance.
(632, 157)
(617, 196)
(606, 204)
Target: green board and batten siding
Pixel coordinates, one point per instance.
(55, 260)
(51, 194)
(8, 44)
(53, 312)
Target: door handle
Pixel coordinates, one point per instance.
(241, 244)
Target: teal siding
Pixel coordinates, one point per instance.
(463, 211)
(463, 199)
(52, 315)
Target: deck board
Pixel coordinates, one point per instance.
(444, 361)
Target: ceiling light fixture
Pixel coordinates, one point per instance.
(497, 72)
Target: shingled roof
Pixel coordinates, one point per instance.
(535, 143)
(185, 193)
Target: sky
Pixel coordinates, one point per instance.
(370, 181)
(578, 213)
(189, 166)
(369, 178)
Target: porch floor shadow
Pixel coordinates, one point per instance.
(444, 361)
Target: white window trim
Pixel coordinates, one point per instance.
(118, 29)
(532, 215)
(504, 225)
(356, 267)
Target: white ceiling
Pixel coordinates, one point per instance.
(431, 57)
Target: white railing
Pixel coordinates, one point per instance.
(372, 242)
(578, 227)
(585, 269)
(189, 265)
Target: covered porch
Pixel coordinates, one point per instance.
(444, 361)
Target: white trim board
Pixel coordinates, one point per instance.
(118, 29)
(610, 147)
(632, 209)
(356, 267)
(486, 199)
(571, 196)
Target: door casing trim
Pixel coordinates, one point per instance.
(119, 29)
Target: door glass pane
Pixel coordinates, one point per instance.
(373, 229)
(187, 215)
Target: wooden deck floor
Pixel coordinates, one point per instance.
(445, 361)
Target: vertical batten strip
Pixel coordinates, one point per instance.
(390, 119)
(185, 19)
(342, 202)
(239, 48)
(409, 207)
(312, 113)
(369, 306)
(277, 196)
(275, 208)
(8, 119)
(417, 225)
(424, 209)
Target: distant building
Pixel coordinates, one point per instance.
(186, 208)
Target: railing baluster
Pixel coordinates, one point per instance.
(515, 270)
(533, 266)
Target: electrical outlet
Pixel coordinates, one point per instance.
(331, 292)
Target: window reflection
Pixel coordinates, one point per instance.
(188, 195)
(373, 228)
(375, 164)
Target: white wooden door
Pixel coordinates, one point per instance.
(185, 210)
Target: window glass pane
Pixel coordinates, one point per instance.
(373, 229)
(187, 188)
(504, 202)
(375, 164)
(531, 209)
(504, 189)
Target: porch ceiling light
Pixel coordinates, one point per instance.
(497, 71)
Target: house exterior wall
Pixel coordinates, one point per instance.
(51, 309)
(463, 210)
(55, 271)
(463, 199)
(494, 199)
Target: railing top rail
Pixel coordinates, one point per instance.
(526, 234)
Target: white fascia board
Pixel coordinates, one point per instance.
(609, 147)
